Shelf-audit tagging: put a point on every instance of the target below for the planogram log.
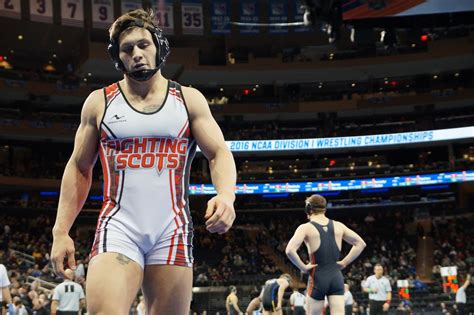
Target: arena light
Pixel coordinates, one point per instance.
(246, 91)
(5, 65)
(49, 68)
(424, 38)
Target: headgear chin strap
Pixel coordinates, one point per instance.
(142, 75)
(162, 50)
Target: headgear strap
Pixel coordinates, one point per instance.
(161, 43)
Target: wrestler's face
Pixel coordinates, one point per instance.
(137, 51)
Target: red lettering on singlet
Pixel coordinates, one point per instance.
(170, 145)
(126, 146)
(147, 152)
(139, 145)
(134, 160)
(173, 161)
(148, 160)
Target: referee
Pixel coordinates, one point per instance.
(68, 297)
(380, 291)
(297, 302)
(348, 300)
(461, 297)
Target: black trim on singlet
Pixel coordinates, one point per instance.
(110, 130)
(192, 153)
(179, 87)
(105, 109)
(143, 113)
(187, 171)
(116, 211)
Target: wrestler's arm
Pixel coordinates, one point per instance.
(235, 304)
(220, 213)
(357, 243)
(293, 246)
(76, 181)
(281, 291)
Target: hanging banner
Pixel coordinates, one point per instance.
(41, 11)
(164, 17)
(278, 13)
(10, 8)
(220, 17)
(249, 13)
(192, 17)
(102, 13)
(130, 5)
(352, 141)
(298, 13)
(72, 13)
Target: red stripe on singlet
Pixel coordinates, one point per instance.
(110, 193)
(178, 212)
(170, 252)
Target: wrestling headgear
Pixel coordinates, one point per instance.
(161, 43)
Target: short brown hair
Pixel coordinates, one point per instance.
(316, 204)
(146, 16)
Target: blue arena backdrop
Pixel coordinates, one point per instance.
(333, 187)
(342, 185)
(426, 136)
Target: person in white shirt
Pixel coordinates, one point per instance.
(461, 299)
(297, 302)
(5, 296)
(80, 272)
(19, 308)
(68, 297)
(348, 300)
(380, 291)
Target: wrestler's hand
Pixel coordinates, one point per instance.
(341, 264)
(63, 246)
(386, 307)
(308, 267)
(220, 214)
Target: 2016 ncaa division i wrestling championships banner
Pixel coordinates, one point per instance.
(352, 142)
